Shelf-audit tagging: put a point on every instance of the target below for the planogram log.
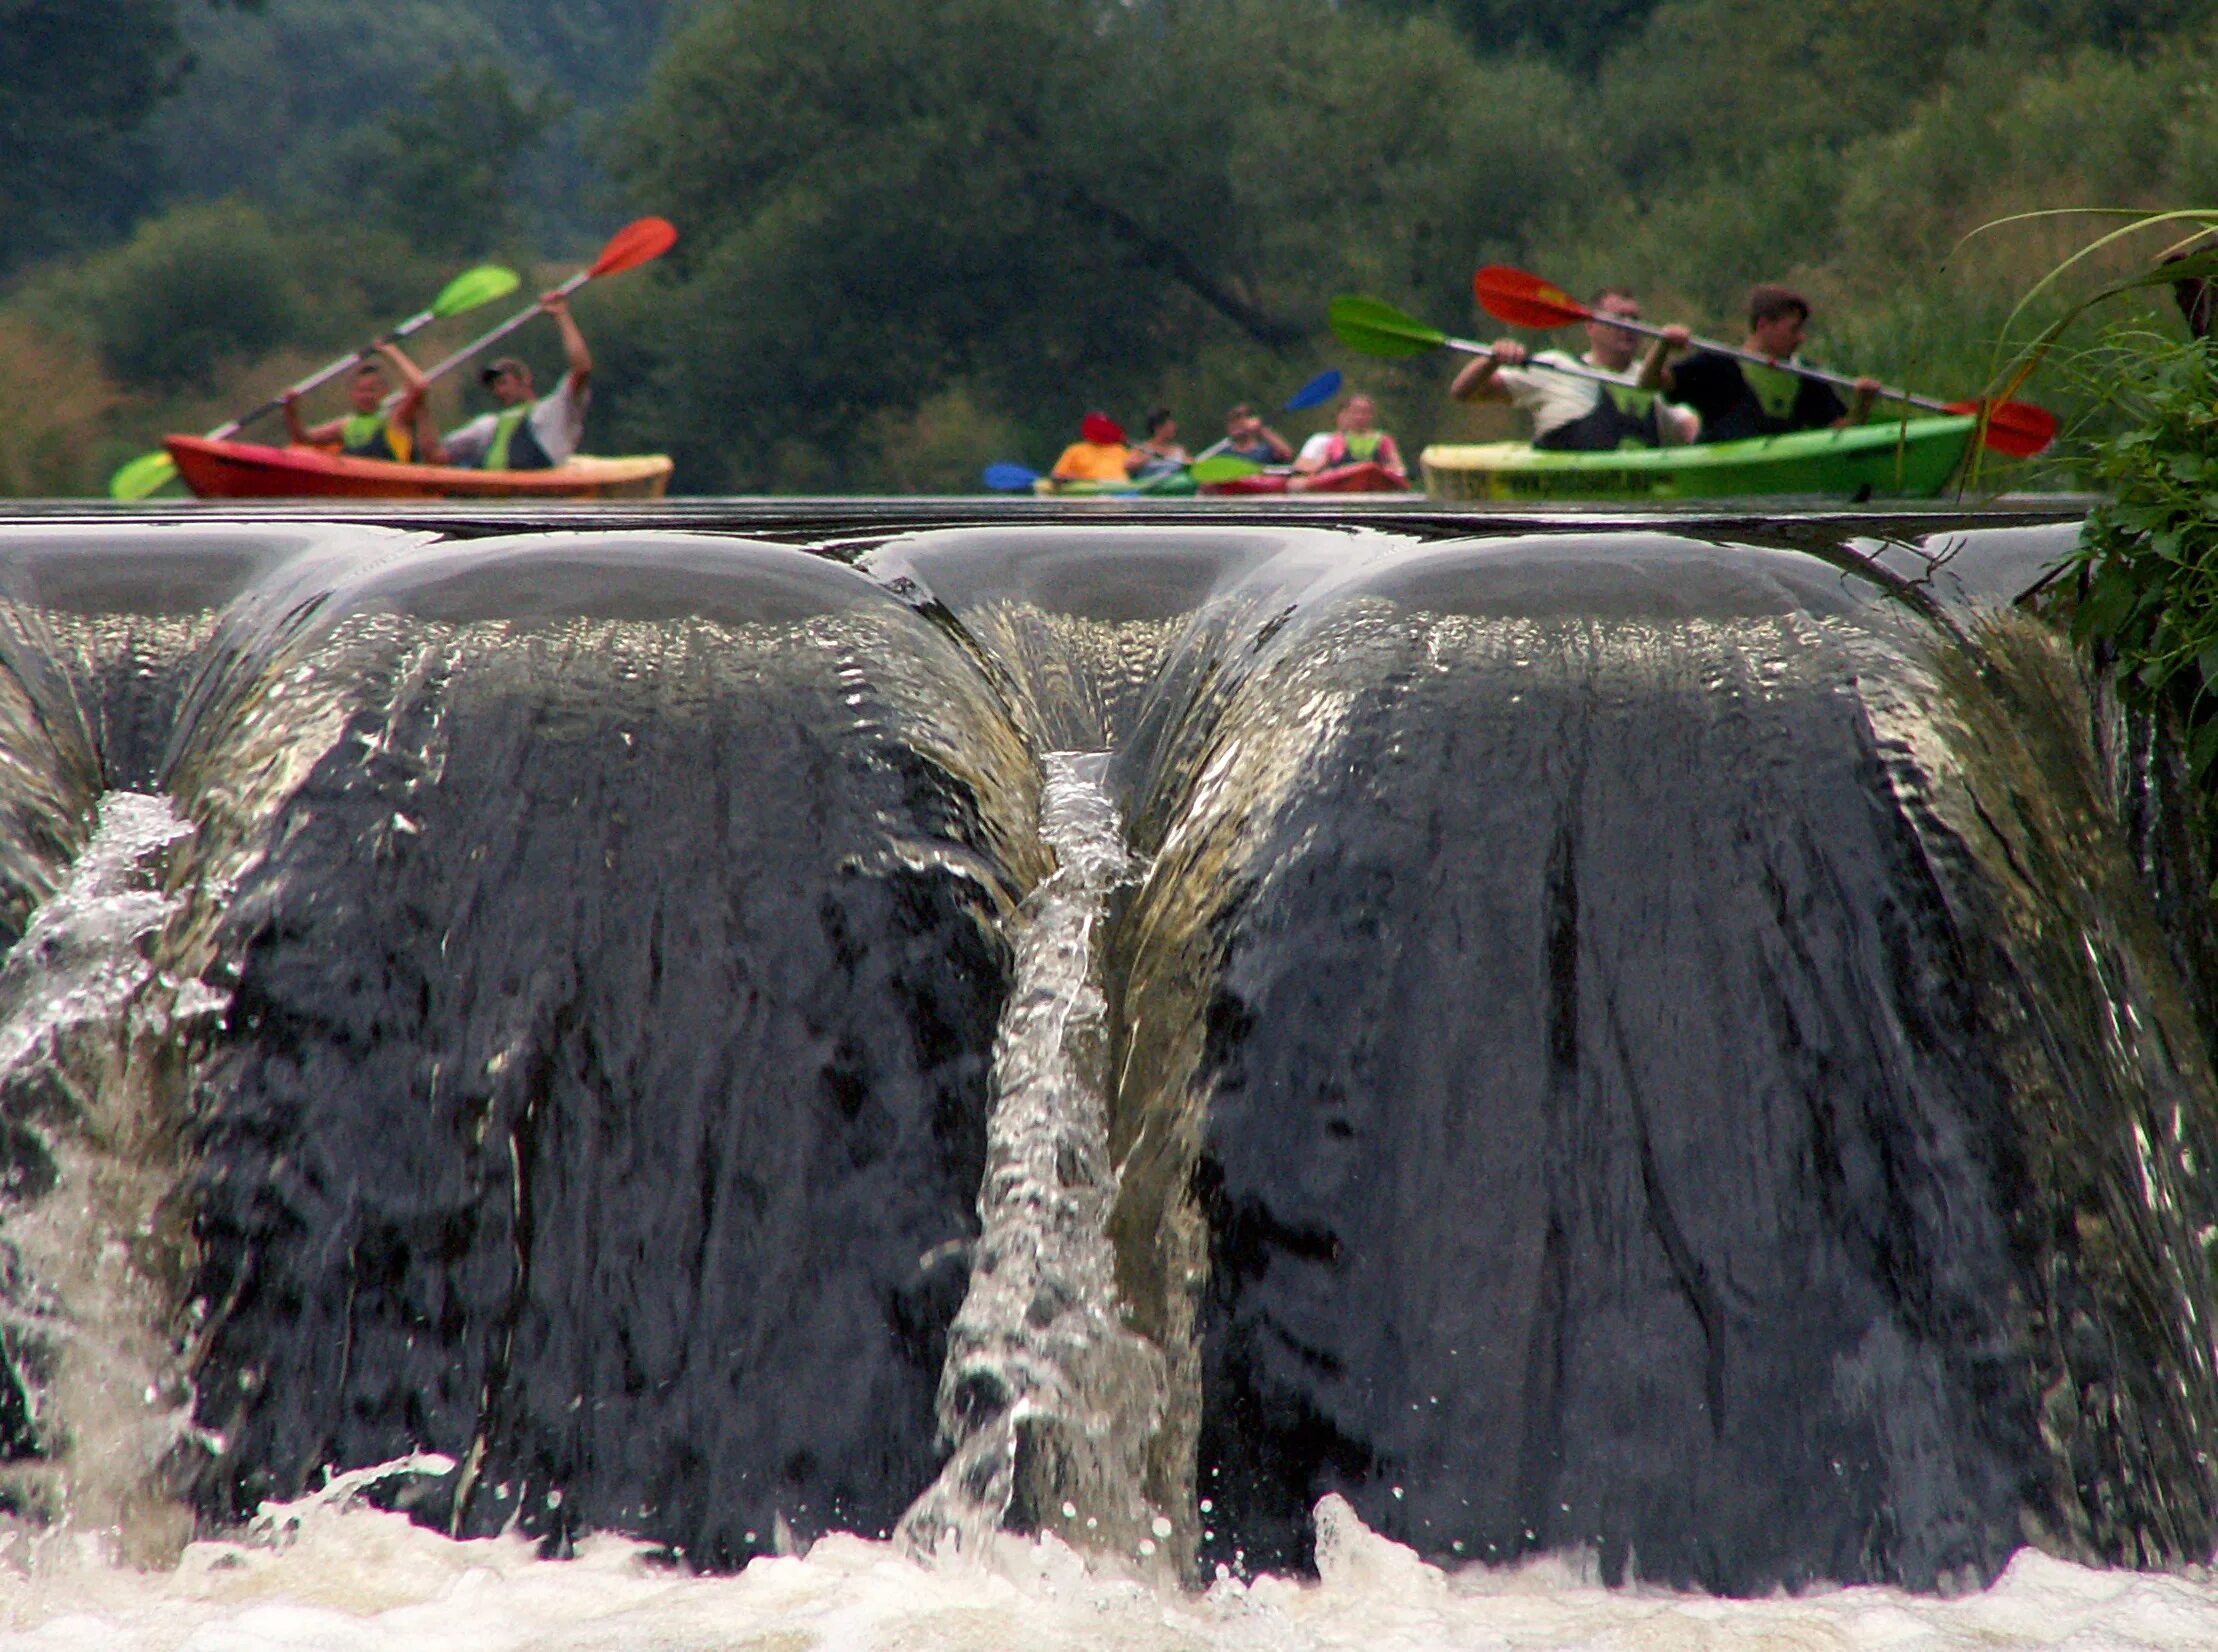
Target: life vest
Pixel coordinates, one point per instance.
(1362, 448)
(1776, 390)
(373, 436)
(1623, 415)
(514, 446)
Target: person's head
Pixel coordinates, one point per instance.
(367, 388)
(1613, 347)
(1161, 426)
(508, 379)
(1100, 429)
(1358, 412)
(1241, 422)
(1776, 319)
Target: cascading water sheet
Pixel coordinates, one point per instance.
(1066, 1066)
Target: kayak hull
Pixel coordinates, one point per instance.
(1908, 458)
(1365, 478)
(1175, 485)
(247, 470)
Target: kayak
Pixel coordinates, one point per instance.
(1363, 478)
(1913, 458)
(246, 470)
(1174, 484)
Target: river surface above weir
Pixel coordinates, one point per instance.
(984, 1073)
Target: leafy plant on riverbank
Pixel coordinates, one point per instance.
(2149, 558)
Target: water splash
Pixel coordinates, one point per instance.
(84, 1013)
(1048, 1396)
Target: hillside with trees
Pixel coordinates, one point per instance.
(919, 237)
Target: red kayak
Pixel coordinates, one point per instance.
(247, 470)
(1363, 478)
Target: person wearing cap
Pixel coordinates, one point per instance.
(372, 430)
(1099, 454)
(528, 434)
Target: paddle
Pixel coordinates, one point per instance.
(638, 242)
(2018, 429)
(1318, 390)
(465, 292)
(1378, 329)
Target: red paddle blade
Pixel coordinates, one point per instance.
(638, 242)
(1524, 300)
(2018, 429)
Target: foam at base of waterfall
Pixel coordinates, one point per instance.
(351, 1579)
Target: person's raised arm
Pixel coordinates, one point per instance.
(1282, 450)
(300, 435)
(574, 351)
(1478, 383)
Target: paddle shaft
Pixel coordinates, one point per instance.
(503, 330)
(331, 370)
(1840, 381)
(1470, 348)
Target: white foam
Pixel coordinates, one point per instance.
(326, 1578)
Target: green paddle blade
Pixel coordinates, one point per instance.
(142, 476)
(1223, 467)
(474, 287)
(1378, 329)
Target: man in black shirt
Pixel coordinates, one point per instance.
(1739, 399)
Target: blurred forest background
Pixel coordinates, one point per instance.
(920, 236)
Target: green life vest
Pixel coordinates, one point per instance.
(1358, 449)
(514, 447)
(371, 436)
(1623, 415)
(1776, 390)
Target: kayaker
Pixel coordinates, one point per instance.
(372, 430)
(1248, 437)
(1160, 454)
(1099, 454)
(1572, 414)
(527, 434)
(1738, 399)
(1355, 439)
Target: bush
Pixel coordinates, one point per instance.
(191, 293)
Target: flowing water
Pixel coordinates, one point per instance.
(1176, 1082)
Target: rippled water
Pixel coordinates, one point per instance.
(1096, 1085)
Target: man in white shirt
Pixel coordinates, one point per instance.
(1574, 413)
(527, 434)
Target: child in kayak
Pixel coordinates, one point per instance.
(1099, 454)
(1355, 439)
(372, 431)
(1160, 454)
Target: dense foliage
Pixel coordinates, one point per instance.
(921, 236)
(2149, 561)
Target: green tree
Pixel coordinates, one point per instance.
(442, 167)
(1057, 204)
(77, 79)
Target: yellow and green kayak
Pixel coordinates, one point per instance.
(1905, 458)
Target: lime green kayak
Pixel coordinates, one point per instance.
(1176, 484)
(1907, 458)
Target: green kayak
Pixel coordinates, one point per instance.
(1175, 484)
(1906, 458)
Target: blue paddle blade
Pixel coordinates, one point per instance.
(1008, 478)
(1322, 388)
